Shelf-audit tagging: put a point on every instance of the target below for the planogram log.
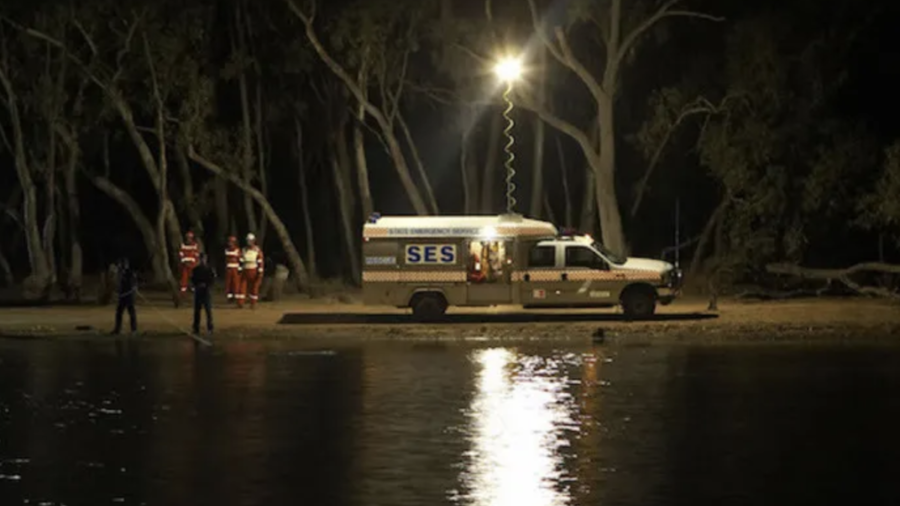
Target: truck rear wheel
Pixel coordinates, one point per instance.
(428, 307)
(639, 302)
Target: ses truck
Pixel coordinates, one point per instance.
(430, 263)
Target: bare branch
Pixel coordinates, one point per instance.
(419, 165)
(564, 55)
(395, 96)
(578, 135)
(87, 37)
(126, 47)
(539, 29)
(641, 187)
(663, 12)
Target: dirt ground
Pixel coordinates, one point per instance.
(686, 320)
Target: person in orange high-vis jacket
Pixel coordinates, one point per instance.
(232, 269)
(251, 272)
(189, 254)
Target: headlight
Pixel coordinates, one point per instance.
(673, 278)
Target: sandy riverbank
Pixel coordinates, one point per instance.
(684, 321)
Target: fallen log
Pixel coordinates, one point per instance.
(842, 275)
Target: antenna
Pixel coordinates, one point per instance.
(677, 234)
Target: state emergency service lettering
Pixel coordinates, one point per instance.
(431, 254)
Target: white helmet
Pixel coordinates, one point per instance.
(251, 237)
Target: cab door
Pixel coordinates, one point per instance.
(540, 282)
(587, 276)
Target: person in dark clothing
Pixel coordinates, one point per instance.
(127, 292)
(202, 279)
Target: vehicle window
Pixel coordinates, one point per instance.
(612, 257)
(580, 256)
(542, 256)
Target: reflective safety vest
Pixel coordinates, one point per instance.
(189, 253)
(233, 258)
(252, 259)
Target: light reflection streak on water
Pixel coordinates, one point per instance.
(517, 418)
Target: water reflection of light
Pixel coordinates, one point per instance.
(516, 431)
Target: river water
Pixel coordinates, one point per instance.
(438, 422)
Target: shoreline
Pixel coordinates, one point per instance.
(836, 320)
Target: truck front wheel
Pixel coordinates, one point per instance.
(639, 302)
(428, 307)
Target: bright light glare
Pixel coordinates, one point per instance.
(489, 233)
(517, 436)
(509, 69)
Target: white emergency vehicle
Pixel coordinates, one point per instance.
(430, 263)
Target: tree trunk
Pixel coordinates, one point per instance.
(297, 265)
(6, 271)
(161, 270)
(384, 125)
(607, 202)
(304, 199)
(564, 171)
(588, 222)
(49, 232)
(705, 237)
(239, 46)
(420, 167)
(261, 160)
(73, 211)
(537, 173)
(166, 212)
(467, 175)
(40, 278)
(362, 167)
(190, 200)
(223, 218)
(341, 166)
(491, 168)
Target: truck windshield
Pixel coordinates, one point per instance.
(612, 257)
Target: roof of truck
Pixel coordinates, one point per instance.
(457, 226)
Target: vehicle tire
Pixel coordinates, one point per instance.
(428, 307)
(639, 302)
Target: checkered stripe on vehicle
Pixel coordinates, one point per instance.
(413, 277)
(574, 275)
(500, 232)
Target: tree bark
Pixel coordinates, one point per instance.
(359, 146)
(537, 173)
(491, 168)
(49, 231)
(6, 270)
(190, 199)
(420, 167)
(705, 237)
(465, 159)
(40, 278)
(607, 201)
(293, 256)
(341, 167)
(588, 221)
(239, 47)
(73, 214)
(304, 199)
(166, 212)
(261, 160)
(564, 171)
(223, 218)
